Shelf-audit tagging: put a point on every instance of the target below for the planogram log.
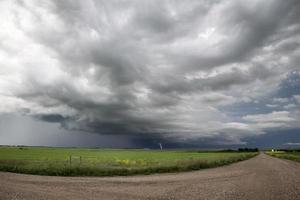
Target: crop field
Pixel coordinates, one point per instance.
(109, 162)
(290, 155)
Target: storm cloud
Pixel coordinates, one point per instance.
(175, 70)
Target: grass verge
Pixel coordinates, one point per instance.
(295, 156)
(43, 161)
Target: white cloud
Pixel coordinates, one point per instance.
(293, 143)
(275, 119)
(272, 105)
(280, 116)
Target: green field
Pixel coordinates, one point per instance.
(295, 156)
(108, 162)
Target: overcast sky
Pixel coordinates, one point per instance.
(134, 73)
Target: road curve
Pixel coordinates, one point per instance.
(262, 177)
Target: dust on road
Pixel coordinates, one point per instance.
(262, 177)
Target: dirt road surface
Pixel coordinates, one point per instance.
(262, 177)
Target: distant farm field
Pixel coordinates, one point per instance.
(108, 162)
(295, 156)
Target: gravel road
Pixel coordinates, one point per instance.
(262, 177)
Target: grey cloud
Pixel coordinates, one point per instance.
(246, 28)
(221, 81)
(281, 100)
(133, 67)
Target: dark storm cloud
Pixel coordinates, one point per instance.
(133, 67)
(24, 130)
(51, 118)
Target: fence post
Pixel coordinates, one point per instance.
(70, 160)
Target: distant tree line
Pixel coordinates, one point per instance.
(248, 150)
(242, 150)
(289, 150)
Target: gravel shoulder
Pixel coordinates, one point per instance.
(262, 177)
